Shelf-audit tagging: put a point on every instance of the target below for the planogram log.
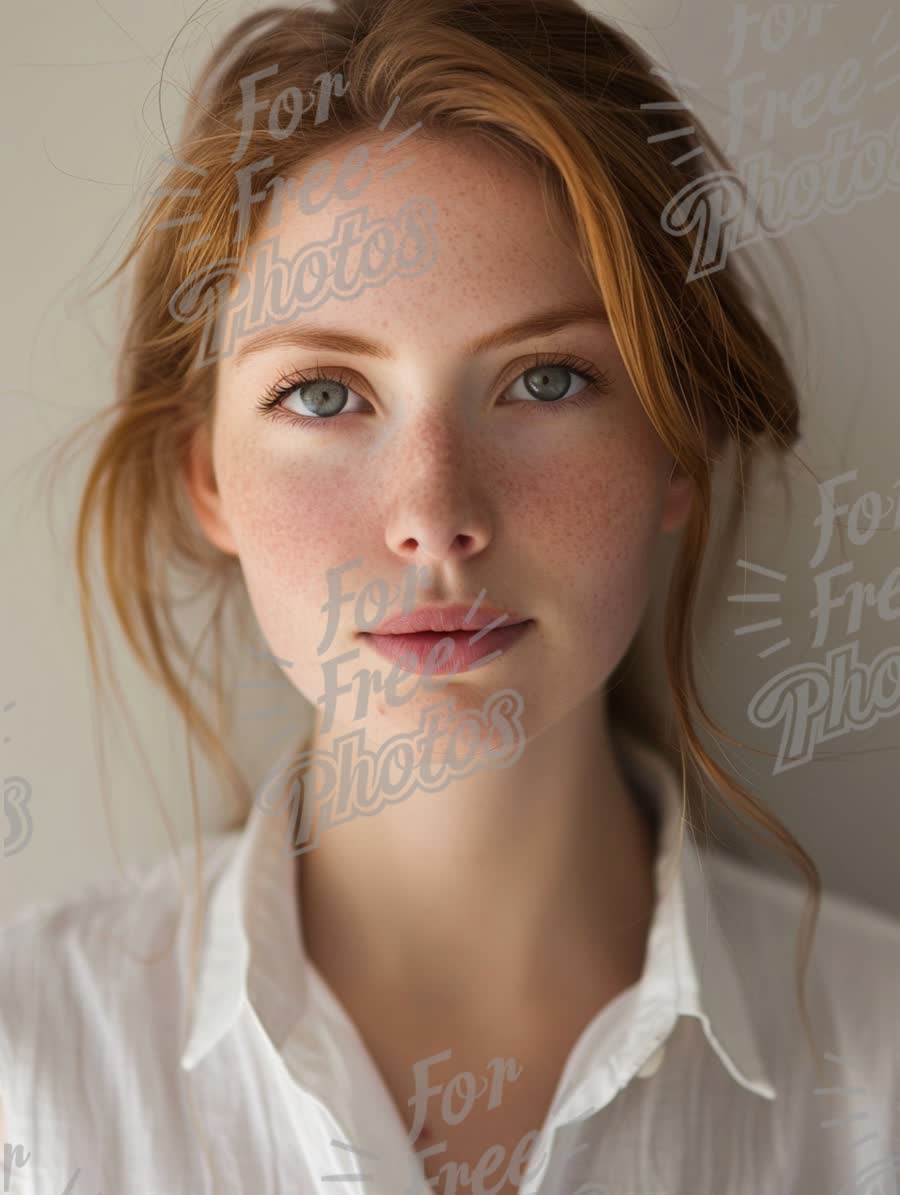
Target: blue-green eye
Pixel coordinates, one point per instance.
(321, 397)
(323, 394)
(548, 383)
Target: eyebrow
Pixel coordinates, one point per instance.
(541, 323)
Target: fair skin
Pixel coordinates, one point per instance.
(537, 875)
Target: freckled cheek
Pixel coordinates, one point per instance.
(589, 516)
(291, 525)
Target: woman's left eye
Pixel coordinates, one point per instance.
(551, 381)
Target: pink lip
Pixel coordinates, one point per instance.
(413, 650)
(449, 618)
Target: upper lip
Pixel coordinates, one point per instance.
(450, 617)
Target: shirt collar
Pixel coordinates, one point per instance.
(687, 933)
(688, 968)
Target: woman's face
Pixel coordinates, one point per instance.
(549, 498)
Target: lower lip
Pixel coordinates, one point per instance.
(465, 657)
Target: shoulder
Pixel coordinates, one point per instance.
(842, 919)
(837, 1075)
(854, 964)
(86, 967)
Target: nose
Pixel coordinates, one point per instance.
(438, 507)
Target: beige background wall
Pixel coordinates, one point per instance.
(82, 94)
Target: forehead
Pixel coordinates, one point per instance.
(459, 171)
(499, 249)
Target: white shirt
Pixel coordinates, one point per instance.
(696, 1080)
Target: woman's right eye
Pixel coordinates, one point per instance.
(321, 397)
(315, 397)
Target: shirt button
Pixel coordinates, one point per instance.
(652, 1065)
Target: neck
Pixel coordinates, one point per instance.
(519, 883)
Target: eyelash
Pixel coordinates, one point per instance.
(291, 381)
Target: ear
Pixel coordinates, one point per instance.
(677, 505)
(200, 481)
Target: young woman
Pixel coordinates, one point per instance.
(430, 384)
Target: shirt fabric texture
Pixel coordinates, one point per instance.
(696, 1080)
